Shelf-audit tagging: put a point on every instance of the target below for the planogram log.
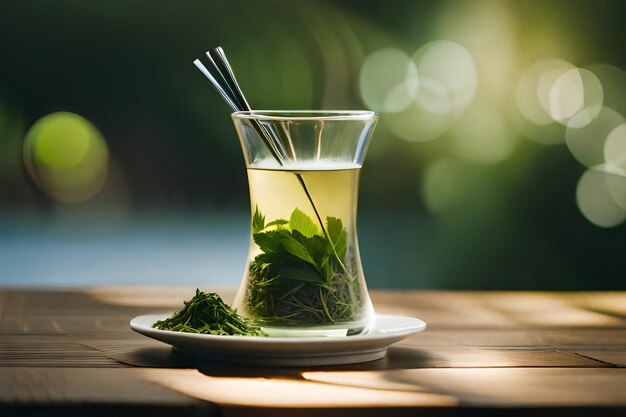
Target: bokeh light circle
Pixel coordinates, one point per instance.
(595, 200)
(613, 81)
(388, 80)
(446, 87)
(414, 124)
(61, 141)
(447, 76)
(616, 182)
(66, 156)
(586, 143)
(615, 149)
(533, 89)
(574, 91)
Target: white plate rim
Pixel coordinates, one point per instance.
(138, 324)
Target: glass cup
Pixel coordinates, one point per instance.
(303, 275)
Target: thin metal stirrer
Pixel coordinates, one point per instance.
(222, 77)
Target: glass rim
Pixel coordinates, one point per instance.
(310, 115)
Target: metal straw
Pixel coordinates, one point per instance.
(221, 75)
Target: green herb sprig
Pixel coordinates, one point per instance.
(207, 313)
(300, 278)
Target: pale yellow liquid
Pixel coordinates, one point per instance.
(277, 192)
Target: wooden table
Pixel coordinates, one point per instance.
(72, 352)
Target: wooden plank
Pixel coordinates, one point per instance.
(587, 337)
(440, 309)
(262, 391)
(51, 351)
(547, 310)
(424, 388)
(91, 310)
(187, 388)
(403, 356)
(57, 386)
(512, 309)
(612, 303)
(434, 336)
(498, 387)
(77, 324)
(615, 356)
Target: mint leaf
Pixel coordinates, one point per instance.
(258, 221)
(300, 274)
(269, 242)
(317, 246)
(297, 249)
(302, 223)
(279, 222)
(337, 234)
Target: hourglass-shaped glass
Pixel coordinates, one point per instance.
(303, 275)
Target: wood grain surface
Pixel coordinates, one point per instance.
(71, 352)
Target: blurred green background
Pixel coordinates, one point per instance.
(498, 161)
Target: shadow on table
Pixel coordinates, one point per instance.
(398, 357)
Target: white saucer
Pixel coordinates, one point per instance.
(286, 351)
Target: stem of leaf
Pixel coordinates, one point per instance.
(319, 219)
